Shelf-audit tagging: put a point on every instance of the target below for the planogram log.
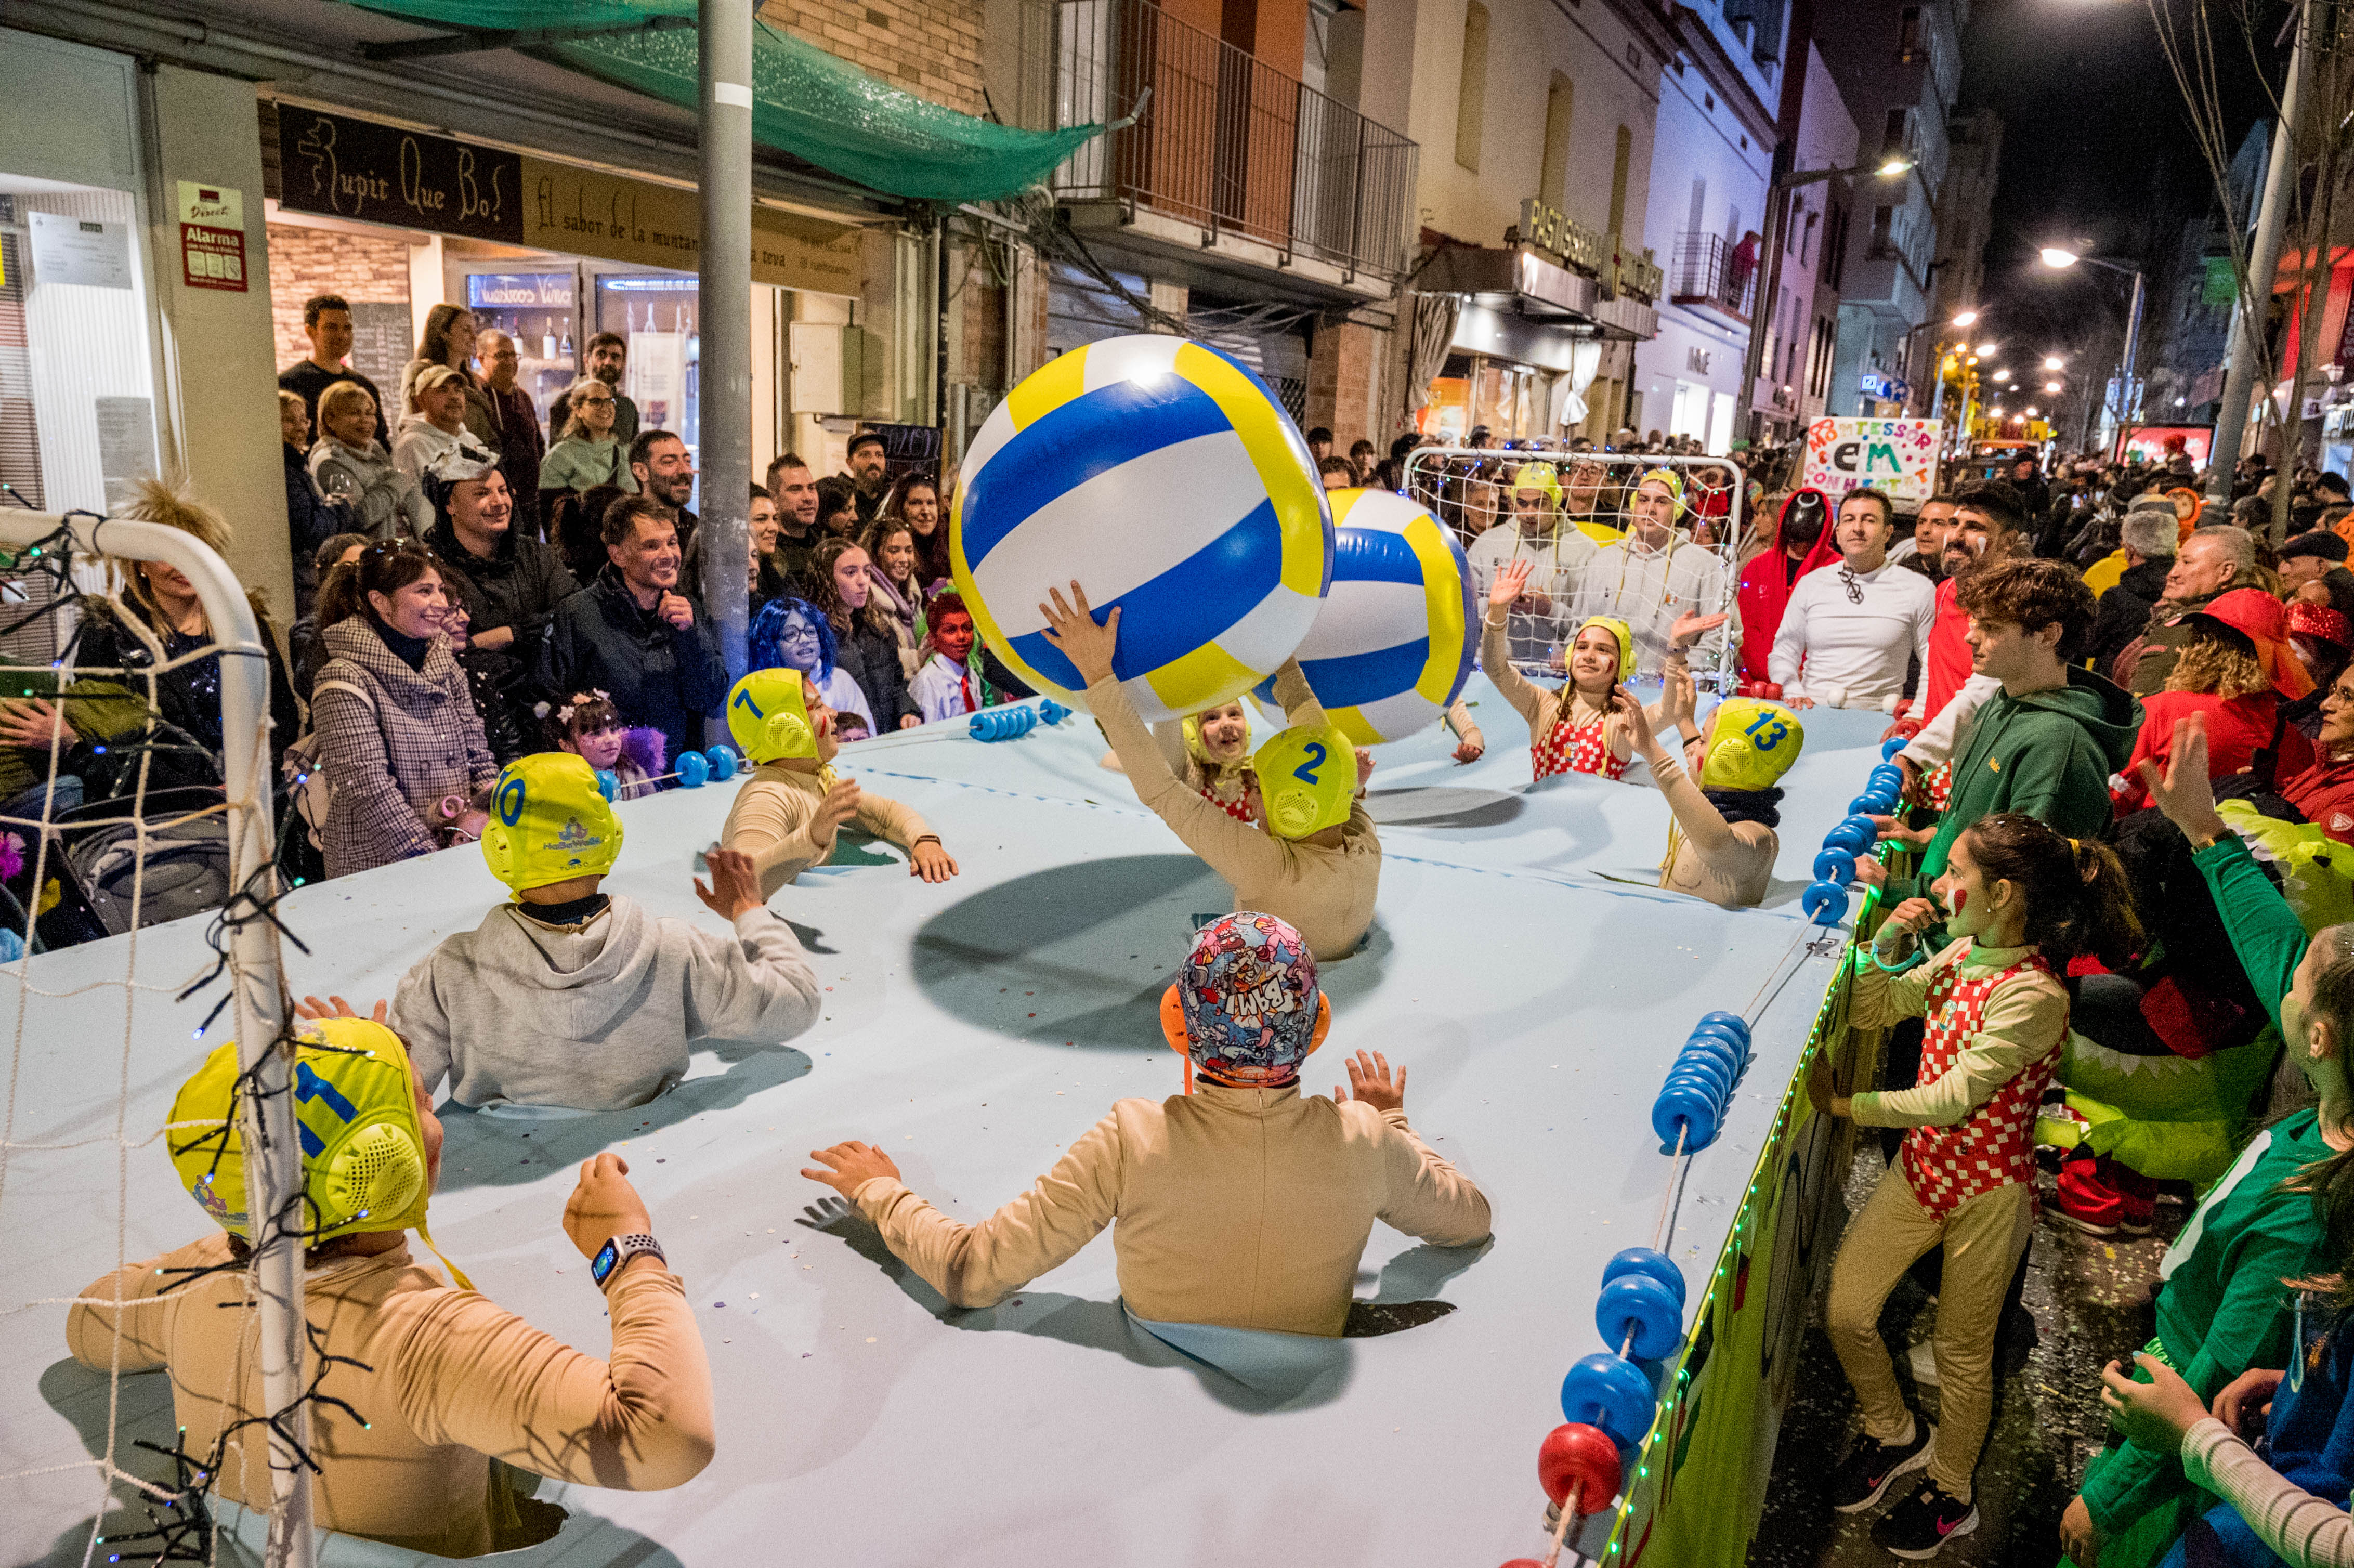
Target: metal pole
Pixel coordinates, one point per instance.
(2127, 404)
(723, 309)
(2263, 263)
(1777, 217)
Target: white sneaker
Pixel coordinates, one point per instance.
(1923, 1359)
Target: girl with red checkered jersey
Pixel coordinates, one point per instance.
(2019, 901)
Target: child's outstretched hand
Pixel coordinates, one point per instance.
(848, 1164)
(1075, 632)
(336, 1007)
(1369, 1077)
(1510, 578)
(930, 862)
(735, 885)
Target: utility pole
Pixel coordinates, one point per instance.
(723, 304)
(2263, 263)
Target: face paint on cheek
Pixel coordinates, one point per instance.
(1957, 900)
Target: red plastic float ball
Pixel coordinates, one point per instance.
(1524, 1562)
(1574, 1453)
(1772, 691)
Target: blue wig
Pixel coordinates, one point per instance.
(765, 636)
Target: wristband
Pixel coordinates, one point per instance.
(928, 839)
(618, 1250)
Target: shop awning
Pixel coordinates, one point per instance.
(1516, 280)
(805, 101)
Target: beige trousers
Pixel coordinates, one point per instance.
(1983, 1239)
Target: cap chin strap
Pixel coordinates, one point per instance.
(456, 1273)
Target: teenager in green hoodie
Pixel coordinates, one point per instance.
(2223, 1306)
(2045, 744)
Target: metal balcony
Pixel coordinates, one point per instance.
(1715, 278)
(1222, 140)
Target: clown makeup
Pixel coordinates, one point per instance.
(1993, 914)
(597, 748)
(1225, 733)
(1593, 663)
(952, 635)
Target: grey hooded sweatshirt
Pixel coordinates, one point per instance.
(597, 1015)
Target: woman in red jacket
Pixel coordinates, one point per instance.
(1802, 542)
(2240, 669)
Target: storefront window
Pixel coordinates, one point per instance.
(656, 312)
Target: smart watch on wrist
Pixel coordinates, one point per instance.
(620, 1250)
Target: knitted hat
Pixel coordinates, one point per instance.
(1252, 1009)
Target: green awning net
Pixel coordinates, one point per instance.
(805, 101)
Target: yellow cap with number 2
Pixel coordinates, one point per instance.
(1307, 778)
(1752, 744)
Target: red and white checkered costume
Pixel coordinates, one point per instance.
(1994, 1146)
(1584, 748)
(1239, 809)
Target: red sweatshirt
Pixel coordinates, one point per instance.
(2236, 731)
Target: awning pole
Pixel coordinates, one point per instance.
(724, 312)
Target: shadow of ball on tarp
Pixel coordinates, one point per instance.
(1074, 955)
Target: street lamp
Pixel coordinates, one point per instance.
(2060, 258)
(1778, 208)
(1966, 318)
(1987, 348)
(2051, 387)
(2053, 362)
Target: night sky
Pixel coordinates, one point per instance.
(2098, 152)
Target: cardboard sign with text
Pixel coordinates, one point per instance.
(1898, 457)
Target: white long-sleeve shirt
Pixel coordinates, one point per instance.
(1846, 636)
(1558, 560)
(2308, 1531)
(1649, 588)
(1942, 736)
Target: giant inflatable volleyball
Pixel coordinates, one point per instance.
(1165, 478)
(1393, 643)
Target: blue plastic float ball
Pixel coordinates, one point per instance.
(1893, 745)
(1824, 902)
(1862, 805)
(724, 762)
(1706, 1072)
(1886, 773)
(694, 770)
(1650, 1261)
(1835, 865)
(1718, 1048)
(1681, 1107)
(1717, 1037)
(1731, 1020)
(1052, 712)
(1611, 1392)
(1637, 1312)
(609, 783)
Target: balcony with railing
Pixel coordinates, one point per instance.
(1715, 277)
(1224, 148)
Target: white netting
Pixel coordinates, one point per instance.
(1596, 553)
(134, 787)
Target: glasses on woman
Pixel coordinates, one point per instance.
(593, 402)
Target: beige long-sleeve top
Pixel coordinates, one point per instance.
(1248, 1208)
(2025, 1017)
(444, 1380)
(1326, 893)
(2308, 1531)
(1731, 864)
(775, 814)
(1540, 707)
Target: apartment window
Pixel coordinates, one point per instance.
(1835, 246)
(1620, 157)
(1908, 34)
(1471, 86)
(1884, 228)
(1807, 239)
(1553, 183)
(1892, 136)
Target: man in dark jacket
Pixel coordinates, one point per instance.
(2046, 743)
(510, 583)
(520, 445)
(2148, 536)
(632, 635)
(2212, 561)
(310, 518)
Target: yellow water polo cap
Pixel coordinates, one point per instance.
(767, 713)
(1617, 629)
(1197, 749)
(549, 822)
(1540, 476)
(1307, 779)
(1753, 745)
(1671, 478)
(363, 1163)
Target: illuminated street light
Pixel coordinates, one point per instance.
(2030, 413)
(1967, 318)
(2053, 256)
(2051, 387)
(2053, 362)
(1987, 347)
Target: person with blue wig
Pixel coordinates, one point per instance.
(790, 633)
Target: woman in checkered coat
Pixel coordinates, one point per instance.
(2020, 901)
(397, 730)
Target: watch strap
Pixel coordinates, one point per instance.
(619, 1251)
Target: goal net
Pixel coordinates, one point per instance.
(1596, 546)
(134, 786)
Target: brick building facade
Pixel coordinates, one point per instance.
(930, 48)
(304, 261)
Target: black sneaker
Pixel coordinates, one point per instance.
(1918, 1527)
(1870, 1465)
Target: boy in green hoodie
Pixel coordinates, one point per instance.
(2046, 744)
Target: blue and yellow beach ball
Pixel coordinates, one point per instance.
(1166, 479)
(1394, 643)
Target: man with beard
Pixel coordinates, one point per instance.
(606, 354)
(664, 471)
(864, 468)
(1802, 544)
(1986, 518)
(794, 485)
(632, 635)
(1924, 550)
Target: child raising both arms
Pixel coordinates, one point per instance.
(1583, 728)
(786, 814)
(2020, 902)
(1244, 1204)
